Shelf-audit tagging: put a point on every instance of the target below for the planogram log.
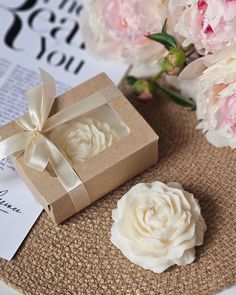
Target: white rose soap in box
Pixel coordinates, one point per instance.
(74, 149)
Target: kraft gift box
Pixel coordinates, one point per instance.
(135, 151)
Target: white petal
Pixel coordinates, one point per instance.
(187, 258)
(217, 140)
(175, 185)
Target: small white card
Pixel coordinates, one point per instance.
(18, 211)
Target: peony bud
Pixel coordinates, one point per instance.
(145, 89)
(174, 62)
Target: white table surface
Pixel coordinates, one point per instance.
(4, 290)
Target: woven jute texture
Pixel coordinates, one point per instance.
(78, 257)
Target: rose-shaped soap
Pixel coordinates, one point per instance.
(78, 141)
(157, 226)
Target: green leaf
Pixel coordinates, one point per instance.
(164, 28)
(165, 39)
(131, 80)
(177, 98)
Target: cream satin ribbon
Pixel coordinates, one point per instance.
(38, 149)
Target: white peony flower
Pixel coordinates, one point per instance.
(157, 226)
(78, 141)
(116, 29)
(208, 24)
(215, 95)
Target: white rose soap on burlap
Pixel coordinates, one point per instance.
(157, 225)
(82, 145)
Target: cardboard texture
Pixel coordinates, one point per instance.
(101, 173)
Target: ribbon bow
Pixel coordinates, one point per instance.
(38, 149)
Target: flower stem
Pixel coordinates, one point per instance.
(158, 75)
(177, 98)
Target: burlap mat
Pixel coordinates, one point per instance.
(78, 257)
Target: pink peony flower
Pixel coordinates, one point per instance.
(227, 114)
(215, 96)
(208, 24)
(116, 29)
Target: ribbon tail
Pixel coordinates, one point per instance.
(69, 179)
(14, 144)
(34, 105)
(62, 168)
(48, 95)
(36, 154)
(41, 99)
